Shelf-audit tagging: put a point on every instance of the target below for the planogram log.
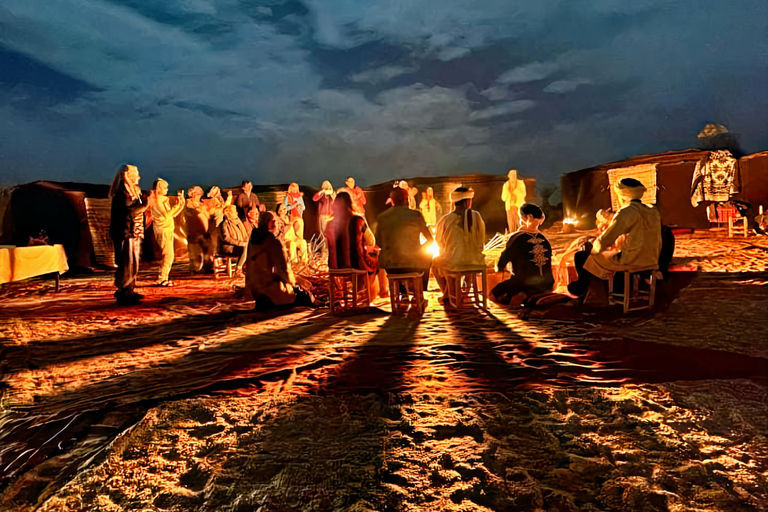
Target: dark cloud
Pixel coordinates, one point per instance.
(278, 90)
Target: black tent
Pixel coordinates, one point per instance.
(59, 209)
(587, 190)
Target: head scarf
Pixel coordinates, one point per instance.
(119, 183)
(460, 194)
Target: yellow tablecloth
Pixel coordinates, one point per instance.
(17, 263)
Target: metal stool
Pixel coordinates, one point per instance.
(345, 292)
(412, 282)
(461, 287)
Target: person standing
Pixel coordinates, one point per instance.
(513, 194)
(324, 198)
(163, 226)
(358, 196)
(429, 208)
(246, 200)
(127, 230)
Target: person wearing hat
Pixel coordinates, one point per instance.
(460, 235)
(639, 224)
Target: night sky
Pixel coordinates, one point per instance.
(199, 91)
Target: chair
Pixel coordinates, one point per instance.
(414, 291)
(632, 290)
(345, 293)
(224, 263)
(461, 287)
(733, 226)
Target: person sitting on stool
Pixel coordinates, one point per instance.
(641, 226)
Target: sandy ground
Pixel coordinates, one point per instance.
(192, 402)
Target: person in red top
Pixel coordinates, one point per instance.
(357, 195)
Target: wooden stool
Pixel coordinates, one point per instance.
(632, 289)
(734, 227)
(459, 294)
(345, 291)
(412, 282)
(224, 264)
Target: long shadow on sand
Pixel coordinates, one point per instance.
(57, 422)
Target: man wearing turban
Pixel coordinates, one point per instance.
(460, 235)
(639, 224)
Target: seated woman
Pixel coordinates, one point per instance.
(530, 254)
(297, 247)
(269, 279)
(351, 243)
(234, 236)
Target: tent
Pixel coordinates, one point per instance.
(588, 190)
(59, 209)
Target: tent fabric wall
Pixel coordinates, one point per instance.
(754, 180)
(586, 191)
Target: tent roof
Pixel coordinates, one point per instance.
(668, 157)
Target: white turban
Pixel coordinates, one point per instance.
(630, 188)
(459, 194)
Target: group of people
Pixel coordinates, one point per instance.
(266, 243)
(630, 239)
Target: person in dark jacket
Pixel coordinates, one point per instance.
(127, 231)
(530, 255)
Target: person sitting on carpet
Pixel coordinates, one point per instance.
(641, 226)
(269, 279)
(530, 254)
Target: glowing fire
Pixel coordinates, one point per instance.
(570, 220)
(434, 250)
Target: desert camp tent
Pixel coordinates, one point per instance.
(57, 208)
(588, 190)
